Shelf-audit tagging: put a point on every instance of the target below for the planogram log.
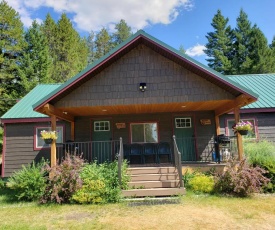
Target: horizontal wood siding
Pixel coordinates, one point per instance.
(265, 123)
(82, 129)
(166, 81)
(19, 145)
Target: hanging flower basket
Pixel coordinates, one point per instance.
(48, 136)
(48, 141)
(243, 132)
(242, 127)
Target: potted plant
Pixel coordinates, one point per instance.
(48, 136)
(242, 127)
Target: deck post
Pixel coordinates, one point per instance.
(218, 128)
(72, 130)
(239, 136)
(120, 159)
(53, 145)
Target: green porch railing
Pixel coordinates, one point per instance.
(100, 151)
(177, 160)
(202, 149)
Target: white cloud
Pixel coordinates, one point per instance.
(93, 14)
(196, 50)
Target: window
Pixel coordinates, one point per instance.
(251, 134)
(39, 143)
(182, 123)
(144, 133)
(101, 126)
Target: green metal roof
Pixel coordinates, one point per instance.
(262, 84)
(24, 109)
(139, 33)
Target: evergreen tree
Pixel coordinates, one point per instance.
(219, 46)
(68, 51)
(35, 63)
(11, 46)
(103, 43)
(123, 31)
(259, 58)
(92, 47)
(242, 35)
(182, 50)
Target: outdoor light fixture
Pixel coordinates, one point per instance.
(142, 86)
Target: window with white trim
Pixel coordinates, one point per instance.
(144, 132)
(184, 122)
(101, 126)
(40, 142)
(251, 134)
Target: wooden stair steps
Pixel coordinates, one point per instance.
(153, 192)
(153, 182)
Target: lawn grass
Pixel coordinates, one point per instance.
(193, 212)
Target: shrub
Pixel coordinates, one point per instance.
(187, 176)
(64, 180)
(91, 192)
(241, 179)
(103, 174)
(262, 154)
(202, 183)
(29, 183)
(2, 184)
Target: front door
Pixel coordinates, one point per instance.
(184, 132)
(102, 141)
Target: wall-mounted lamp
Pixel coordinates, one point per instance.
(142, 86)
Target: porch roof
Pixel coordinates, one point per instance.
(163, 49)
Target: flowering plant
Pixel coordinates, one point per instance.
(49, 134)
(242, 125)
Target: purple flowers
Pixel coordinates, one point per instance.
(242, 125)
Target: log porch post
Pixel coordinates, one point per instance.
(53, 145)
(239, 137)
(218, 127)
(72, 131)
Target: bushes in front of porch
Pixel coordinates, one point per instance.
(72, 181)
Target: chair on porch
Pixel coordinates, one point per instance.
(149, 149)
(164, 149)
(126, 152)
(136, 150)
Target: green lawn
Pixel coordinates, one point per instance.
(193, 212)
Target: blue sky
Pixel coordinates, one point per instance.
(175, 22)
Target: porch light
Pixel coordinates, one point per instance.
(142, 86)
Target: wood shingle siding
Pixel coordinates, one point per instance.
(166, 82)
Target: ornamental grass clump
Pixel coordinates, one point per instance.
(242, 125)
(49, 134)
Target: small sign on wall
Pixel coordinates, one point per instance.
(205, 121)
(120, 125)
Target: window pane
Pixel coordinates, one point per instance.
(151, 133)
(137, 132)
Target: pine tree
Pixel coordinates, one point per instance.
(35, 63)
(123, 31)
(103, 43)
(11, 46)
(68, 51)
(182, 50)
(219, 46)
(92, 47)
(259, 59)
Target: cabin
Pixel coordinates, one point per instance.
(260, 113)
(144, 97)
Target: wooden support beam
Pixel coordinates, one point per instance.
(218, 128)
(72, 131)
(51, 110)
(239, 102)
(53, 145)
(239, 136)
